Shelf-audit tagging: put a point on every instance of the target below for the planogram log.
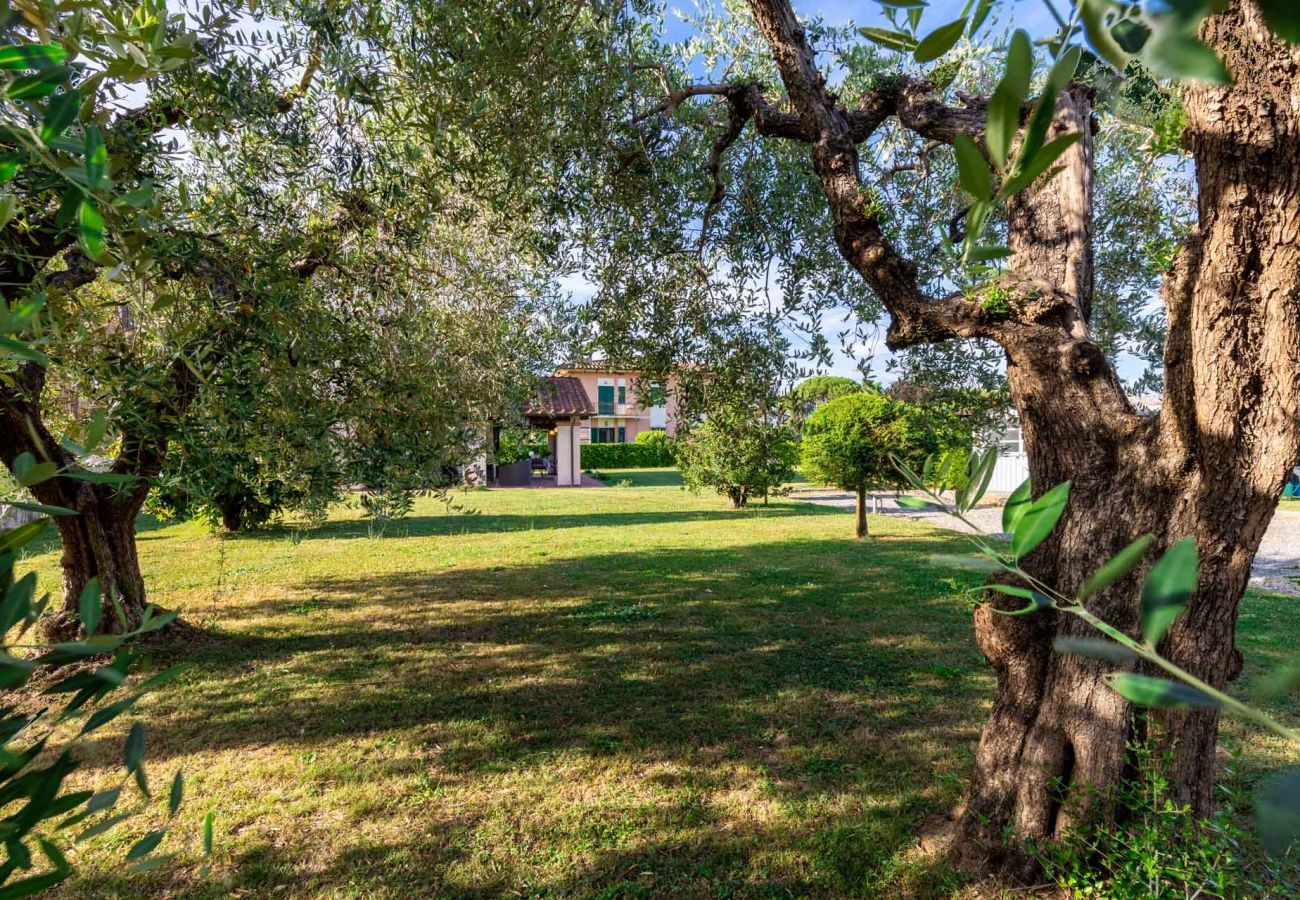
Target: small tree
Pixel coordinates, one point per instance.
(738, 455)
(849, 442)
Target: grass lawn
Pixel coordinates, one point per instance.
(640, 478)
(1289, 503)
(619, 692)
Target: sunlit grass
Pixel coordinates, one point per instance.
(573, 692)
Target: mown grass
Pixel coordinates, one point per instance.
(574, 692)
(641, 477)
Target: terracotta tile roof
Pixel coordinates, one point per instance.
(559, 395)
(593, 365)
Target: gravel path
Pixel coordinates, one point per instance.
(1276, 568)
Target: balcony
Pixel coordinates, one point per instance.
(622, 410)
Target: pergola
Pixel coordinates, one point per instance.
(559, 405)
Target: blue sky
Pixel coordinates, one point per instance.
(1032, 15)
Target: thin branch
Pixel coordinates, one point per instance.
(735, 126)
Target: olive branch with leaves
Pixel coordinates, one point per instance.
(1165, 592)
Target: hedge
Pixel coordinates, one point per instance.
(512, 452)
(626, 456)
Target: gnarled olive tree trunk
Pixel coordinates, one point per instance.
(1211, 465)
(99, 540)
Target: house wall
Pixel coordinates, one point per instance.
(631, 416)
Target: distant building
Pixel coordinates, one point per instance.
(594, 403)
(620, 413)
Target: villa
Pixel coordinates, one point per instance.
(593, 402)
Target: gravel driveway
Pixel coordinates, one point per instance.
(1276, 568)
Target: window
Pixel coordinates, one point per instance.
(605, 399)
(622, 433)
(602, 435)
(622, 395)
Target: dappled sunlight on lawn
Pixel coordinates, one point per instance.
(566, 692)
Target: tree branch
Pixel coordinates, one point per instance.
(914, 317)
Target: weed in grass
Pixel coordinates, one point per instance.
(1159, 849)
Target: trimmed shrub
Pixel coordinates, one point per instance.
(649, 454)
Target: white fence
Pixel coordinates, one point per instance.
(12, 518)
(1008, 472)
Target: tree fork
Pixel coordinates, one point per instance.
(1211, 466)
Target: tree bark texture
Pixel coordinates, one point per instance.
(1210, 466)
(99, 541)
(861, 529)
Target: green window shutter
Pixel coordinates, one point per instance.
(605, 399)
(622, 435)
(622, 394)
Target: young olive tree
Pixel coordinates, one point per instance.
(738, 454)
(96, 189)
(853, 440)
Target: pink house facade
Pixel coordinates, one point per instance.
(591, 403)
(620, 412)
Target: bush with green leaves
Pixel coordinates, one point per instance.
(851, 442)
(637, 455)
(656, 438)
(79, 687)
(738, 455)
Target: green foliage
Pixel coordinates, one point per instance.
(1038, 520)
(1169, 585)
(739, 454)
(516, 444)
(650, 450)
(812, 392)
(851, 441)
(1158, 848)
(382, 508)
(995, 299)
(874, 206)
(635, 455)
(41, 745)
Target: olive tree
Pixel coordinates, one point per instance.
(1014, 272)
(853, 441)
(738, 454)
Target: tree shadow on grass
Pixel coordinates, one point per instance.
(574, 642)
(679, 849)
(835, 668)
(458, 523)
